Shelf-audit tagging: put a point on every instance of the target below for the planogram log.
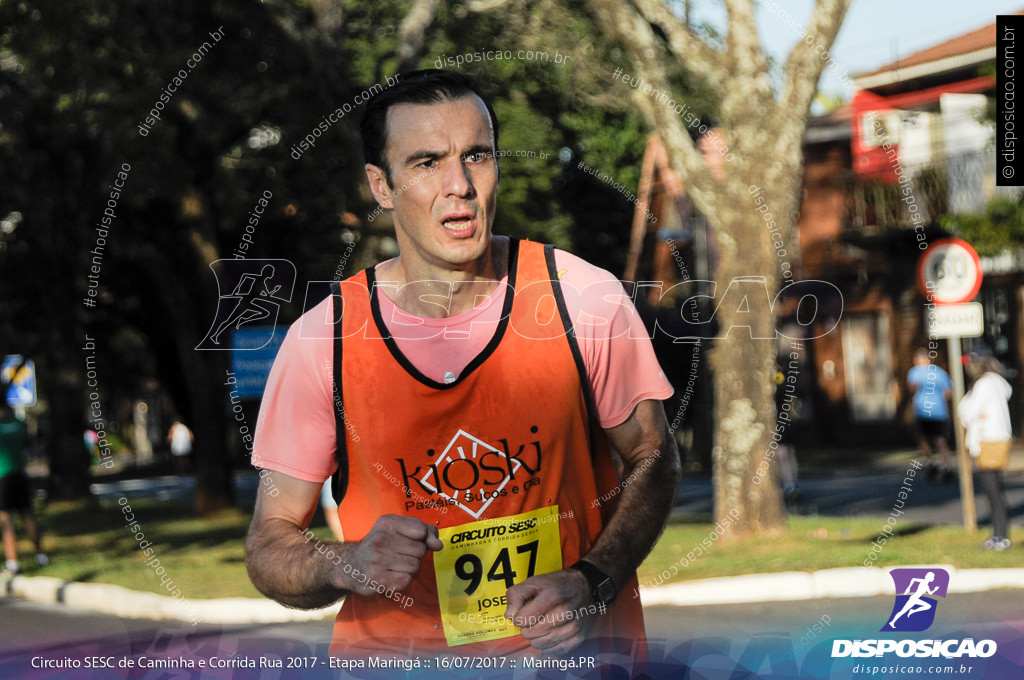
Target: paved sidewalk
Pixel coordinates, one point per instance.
(827, 583)
(118, 601)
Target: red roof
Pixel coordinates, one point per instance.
(964, 44)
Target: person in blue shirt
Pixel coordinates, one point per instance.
(932, 389)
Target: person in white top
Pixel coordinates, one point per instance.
(180, 438)
(985, 415)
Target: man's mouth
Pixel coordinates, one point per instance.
(459, 224)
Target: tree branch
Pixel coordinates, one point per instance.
(329, 16)
(804, 66)
(699, 57)
(412, 30)
(620, 19)
(746, 55)
(748, 67)
(485, 5)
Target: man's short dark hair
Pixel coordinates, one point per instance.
(430, 86)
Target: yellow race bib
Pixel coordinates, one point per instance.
(481, 560)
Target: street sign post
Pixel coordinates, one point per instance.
(963, 458)
(949, 275)
(949, 272)
(955, 321)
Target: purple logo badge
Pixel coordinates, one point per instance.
(914, 609)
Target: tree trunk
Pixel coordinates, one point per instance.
(207, 403)
(763, 128)
(198, 390)
(214, 485)
(65, 449)
(743, 363)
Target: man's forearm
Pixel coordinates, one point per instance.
(286, 565)
(644, 506)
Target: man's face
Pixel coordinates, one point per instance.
(444, 180)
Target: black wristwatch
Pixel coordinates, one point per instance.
(602, 587)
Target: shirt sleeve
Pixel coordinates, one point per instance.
(295, 431)
(620, 362)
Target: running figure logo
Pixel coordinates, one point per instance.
(914, 611)
(257, 287)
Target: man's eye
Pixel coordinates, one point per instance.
(427, 164)
(476, 157)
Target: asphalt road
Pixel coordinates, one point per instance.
(775, 640)
(874, 495)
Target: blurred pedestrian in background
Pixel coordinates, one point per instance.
(985, 415)
(180, 439)
(92, 445)
(14, 489)
(931, 388)
(786, 452)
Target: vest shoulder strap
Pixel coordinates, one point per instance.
(574, 346)
(339, 482)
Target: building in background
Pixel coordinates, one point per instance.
(920, 150)
(918, 122)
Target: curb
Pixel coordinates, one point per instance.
(778, 587)
(828, 583)
(118, 601)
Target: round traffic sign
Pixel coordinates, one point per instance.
(949, 272)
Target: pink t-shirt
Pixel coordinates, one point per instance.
(295, 433)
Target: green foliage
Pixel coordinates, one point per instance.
(884, 200)
(829, 102)
(811, 543)
(78, 80)
(206, 557)
(999, 228)
(572, 111)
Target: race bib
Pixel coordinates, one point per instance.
(481, 560)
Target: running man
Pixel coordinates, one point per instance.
(915, 604)
(250, 305)
(487, 381)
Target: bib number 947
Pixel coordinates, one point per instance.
(481, 561)
(469, 567)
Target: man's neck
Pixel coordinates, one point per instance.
(443, 292)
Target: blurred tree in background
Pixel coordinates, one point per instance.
(762, 110)
(763, 121)
(77, 82)
(78, 79)
(999, 228)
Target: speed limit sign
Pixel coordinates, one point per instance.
(949, 272)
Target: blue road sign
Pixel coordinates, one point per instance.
(255, 350)
(20, 376)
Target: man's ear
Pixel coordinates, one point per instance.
(379, 186)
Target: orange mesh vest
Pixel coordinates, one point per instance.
(512, 434)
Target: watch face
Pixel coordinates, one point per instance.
(606, 591)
